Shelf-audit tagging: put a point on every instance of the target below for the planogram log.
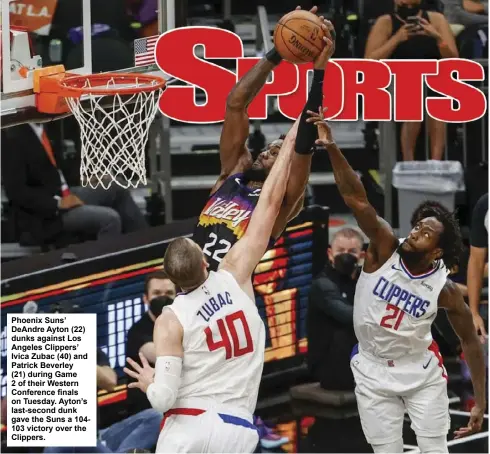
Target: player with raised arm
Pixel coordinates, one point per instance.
(397, 365)
(227, 213)
(210, 342)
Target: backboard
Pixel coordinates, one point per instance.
(41, 33)
(37, 34)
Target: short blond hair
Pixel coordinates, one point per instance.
(183, 263)
(348, 232)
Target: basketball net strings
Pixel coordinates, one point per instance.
(114, 138)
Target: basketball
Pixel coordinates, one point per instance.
(298, 37)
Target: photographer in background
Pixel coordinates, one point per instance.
(330, 328)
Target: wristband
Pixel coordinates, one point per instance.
(273, 56)
(318, 75)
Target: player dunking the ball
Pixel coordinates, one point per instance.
(397, 365)
(210, 342)
(227, 213)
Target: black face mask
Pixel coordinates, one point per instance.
(405, 11)
(345, 263)
(158, 303)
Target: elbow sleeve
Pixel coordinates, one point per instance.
(162, 393)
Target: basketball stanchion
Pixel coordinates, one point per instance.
(114, 111)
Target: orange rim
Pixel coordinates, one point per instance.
(73, 86)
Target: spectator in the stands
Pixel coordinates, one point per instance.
(413, 33)
(330, 326)
(159, 292)
(44, 204)
(466, 12)
(138, 431)
(477, 264)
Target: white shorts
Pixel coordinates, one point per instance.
(386, 388)
(207, 432)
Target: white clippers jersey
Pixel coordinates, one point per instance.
(224, 343)
(394, 310)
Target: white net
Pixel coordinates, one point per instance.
(114, 133)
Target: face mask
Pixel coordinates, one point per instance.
(157, 304)
(405, 11)
(345, 263)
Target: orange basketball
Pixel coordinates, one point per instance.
(298, 36)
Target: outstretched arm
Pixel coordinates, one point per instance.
(247, 252)
(383, 240)
(461, 319)
(161, 384)
(234, 154)
(307, 134)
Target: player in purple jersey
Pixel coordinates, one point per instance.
(233, 198)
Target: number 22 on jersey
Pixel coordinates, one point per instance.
(234, 335)
(393, 318)
(212, 251)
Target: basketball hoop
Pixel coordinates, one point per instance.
(114, 111)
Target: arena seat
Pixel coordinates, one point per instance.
(312, 392)
(310, 399)
(456, 28)
(186, 139)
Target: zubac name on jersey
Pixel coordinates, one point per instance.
(395, 295)
(213, 305)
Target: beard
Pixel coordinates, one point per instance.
(256, 175)
(410, 258)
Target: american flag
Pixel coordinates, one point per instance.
(144, 50)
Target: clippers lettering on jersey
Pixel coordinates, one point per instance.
(397, 296)
(235, 214)
(213, 305)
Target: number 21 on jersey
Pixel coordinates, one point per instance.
(234, 336)
(393, 318)
(216, 251)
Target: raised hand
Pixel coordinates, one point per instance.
(329, 49)
(144, 374)
(325, 137)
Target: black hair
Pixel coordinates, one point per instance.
(450, 240)
(282, 136)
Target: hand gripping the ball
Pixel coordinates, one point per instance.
(328, 29)
(301, 36)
